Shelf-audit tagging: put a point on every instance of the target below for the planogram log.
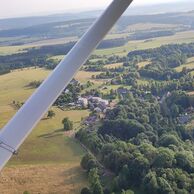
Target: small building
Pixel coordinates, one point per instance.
(97, 110)
(183, 119)
(104, 102)
(83, 102)
(90, 120)
(95, 99)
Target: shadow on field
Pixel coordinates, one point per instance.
(56, 133)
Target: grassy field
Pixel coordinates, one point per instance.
(43, 179)
(181, 37)
(143, 64)
(47, 145)
(150, 26)
(84, 76)
(115, 65)
(188, 65)
(52, 41)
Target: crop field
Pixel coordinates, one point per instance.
(52, 41)
(150, 26)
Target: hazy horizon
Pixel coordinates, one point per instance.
(23, 8)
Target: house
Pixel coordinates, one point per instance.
(98, 110)
(98, 100)
(83, 102)
(95, 99)
(183, 119)
(123, 92)
(90, 120)
(74, 82)
(104, 102)
(66, 91)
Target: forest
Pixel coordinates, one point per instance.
(143, 143)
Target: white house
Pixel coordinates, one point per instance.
(83, 102)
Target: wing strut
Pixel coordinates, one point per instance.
(20, 126)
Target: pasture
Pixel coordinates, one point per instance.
(188, 65)
(48, 150)
(178, 38)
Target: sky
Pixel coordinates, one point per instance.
(17, 8)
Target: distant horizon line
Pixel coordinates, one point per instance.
(76, 11)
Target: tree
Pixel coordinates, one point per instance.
(26, 192)
(50, 114)
(68, 125)
(164, 186)
(164, 158)
(184, 161)
(168, 139)
(150, 183)
(88, 162)
(97, 188)
(127, 192)
(86, 191)
(95, 182)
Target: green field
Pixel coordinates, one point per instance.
(143, 64)
(188, 65)
(181, 37)
(47, 143)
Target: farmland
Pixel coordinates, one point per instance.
(61, 178)
(49, 160)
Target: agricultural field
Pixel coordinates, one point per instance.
(178, 38)
(44, 179)
(151, 26)
(49, 160)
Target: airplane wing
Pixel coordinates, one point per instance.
(20, 126)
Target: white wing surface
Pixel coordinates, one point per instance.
(20, 126)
